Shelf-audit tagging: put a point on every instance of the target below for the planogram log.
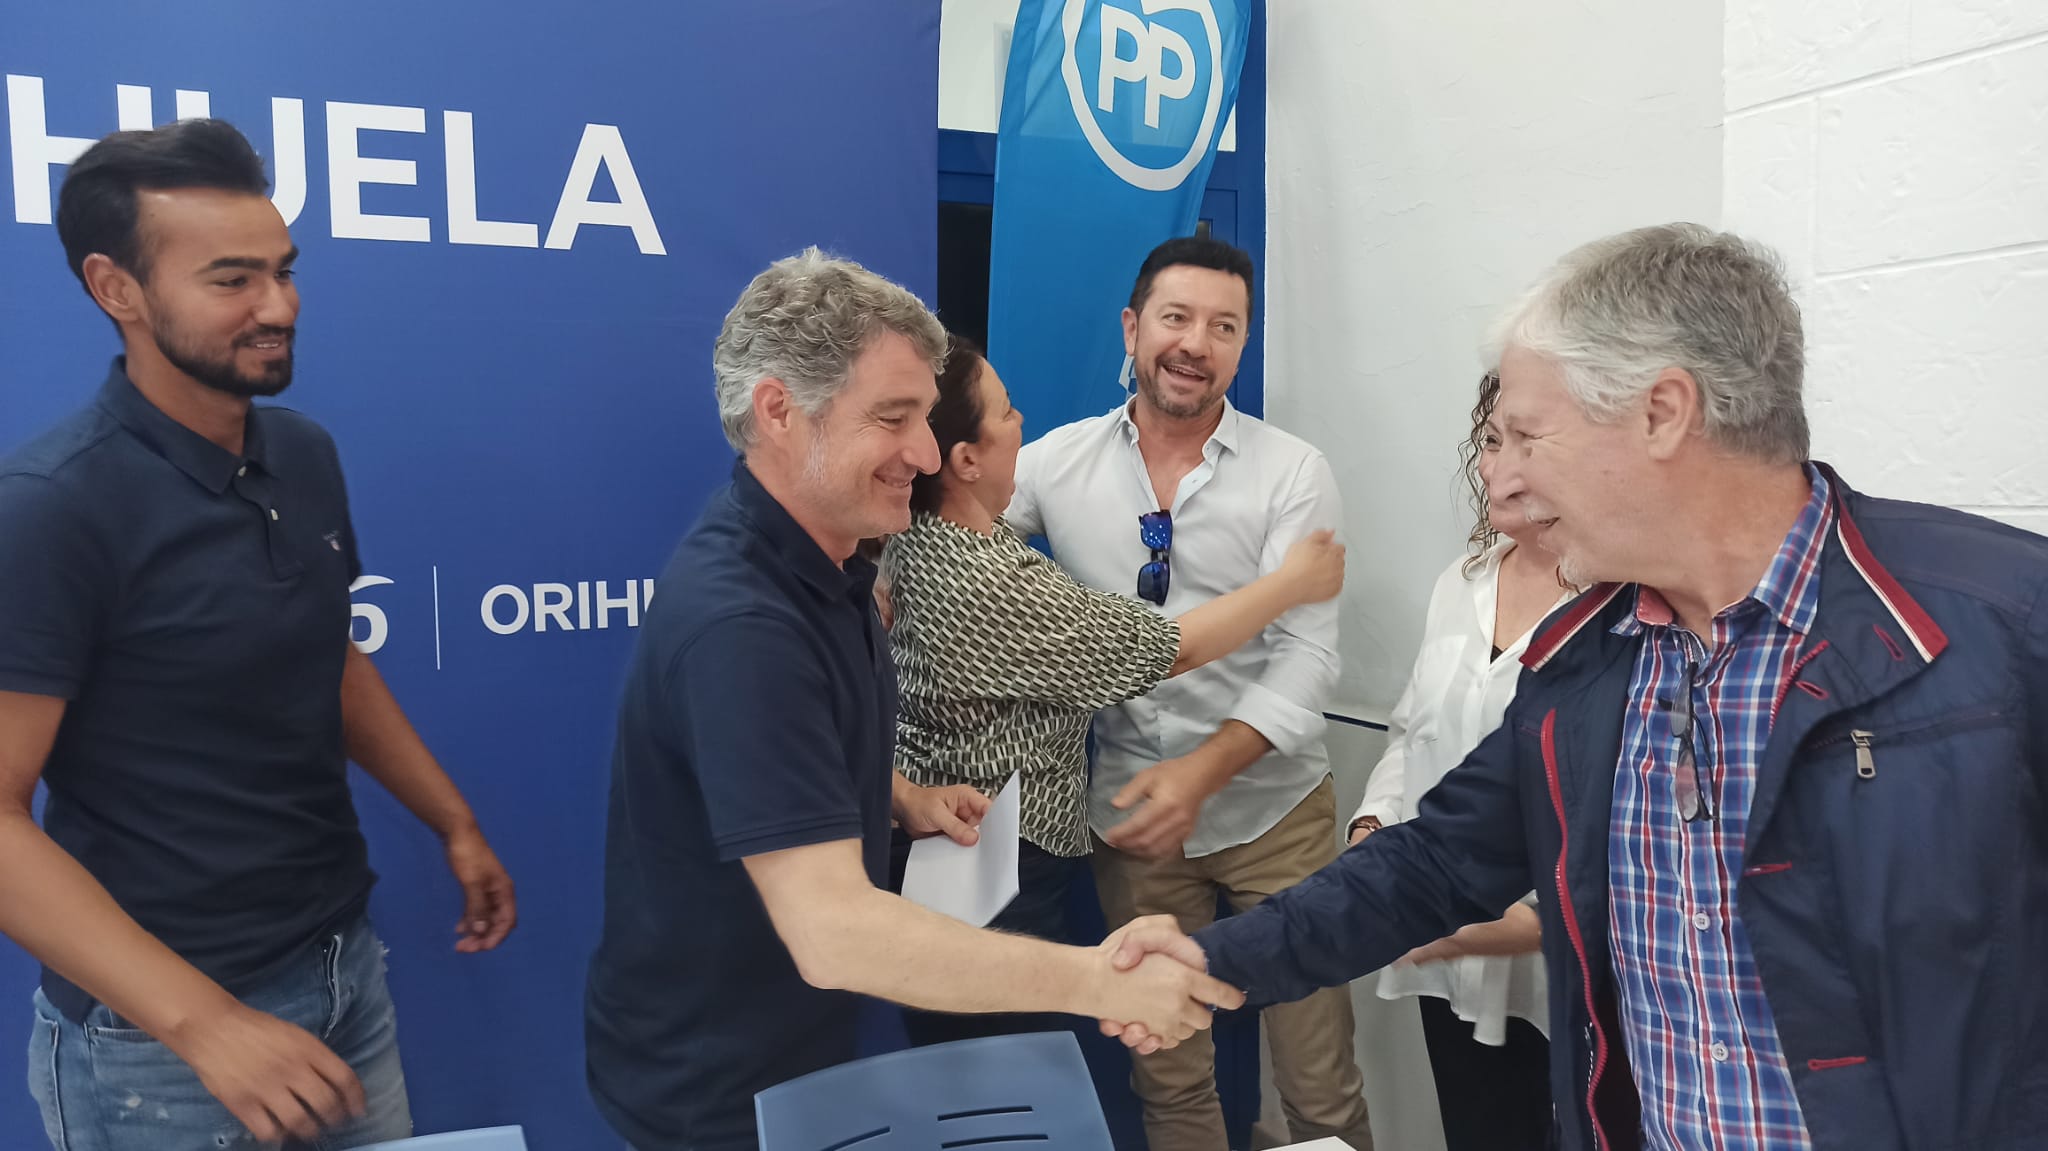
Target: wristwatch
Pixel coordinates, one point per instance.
(1369, 822)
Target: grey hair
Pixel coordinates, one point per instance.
(804, 321)
(1615, 313)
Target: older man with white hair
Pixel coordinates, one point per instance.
(1778, 781)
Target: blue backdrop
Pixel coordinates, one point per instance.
(528, 422)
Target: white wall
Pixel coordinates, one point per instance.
(1424, 161)
(974, 41)
(1896, 152)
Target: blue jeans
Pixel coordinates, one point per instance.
(106, 1086)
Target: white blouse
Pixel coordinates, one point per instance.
(1455, 697)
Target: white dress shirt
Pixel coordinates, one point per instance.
(1257, 491)
(1455, 697)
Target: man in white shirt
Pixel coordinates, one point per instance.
(1217, 782)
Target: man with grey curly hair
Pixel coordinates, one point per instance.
(1781, 781)
(803, 323)
(753, 781)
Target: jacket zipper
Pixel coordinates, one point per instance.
(1940, 726)
(1865, 740)
(1597, 1048)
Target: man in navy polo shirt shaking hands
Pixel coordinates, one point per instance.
(753, 780)
(175, 666)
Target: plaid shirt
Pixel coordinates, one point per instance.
(1700, 1036)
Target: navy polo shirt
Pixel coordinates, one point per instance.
(191, 607)
(759, 715)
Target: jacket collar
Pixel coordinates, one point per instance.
(1554, 634)
(1920, 633)
(1869, 637)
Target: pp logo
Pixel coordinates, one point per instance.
(1146, 60)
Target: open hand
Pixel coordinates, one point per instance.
(489, 909)
(1172, 792)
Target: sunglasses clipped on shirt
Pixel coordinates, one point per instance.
(1155, 531)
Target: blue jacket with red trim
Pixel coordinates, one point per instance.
(1895, 882)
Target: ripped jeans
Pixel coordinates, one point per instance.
(105, 1086)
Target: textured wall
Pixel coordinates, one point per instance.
(1896, 151)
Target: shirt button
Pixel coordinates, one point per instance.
(273, 513)
(1700, 920)
(243, 470)
(1720, 1052)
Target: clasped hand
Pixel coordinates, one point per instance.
(1157, 990)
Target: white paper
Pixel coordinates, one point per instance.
(1330, 1144)
(971, 884)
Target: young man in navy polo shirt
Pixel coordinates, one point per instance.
(175, 666)
(753, 781)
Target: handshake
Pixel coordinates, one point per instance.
(1152, 989)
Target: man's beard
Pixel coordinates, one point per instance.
(1148, 383)
(220, 373)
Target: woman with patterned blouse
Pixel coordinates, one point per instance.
(1003, 658)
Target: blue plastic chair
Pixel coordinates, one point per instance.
(1031, 1091)
(481, 1139)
